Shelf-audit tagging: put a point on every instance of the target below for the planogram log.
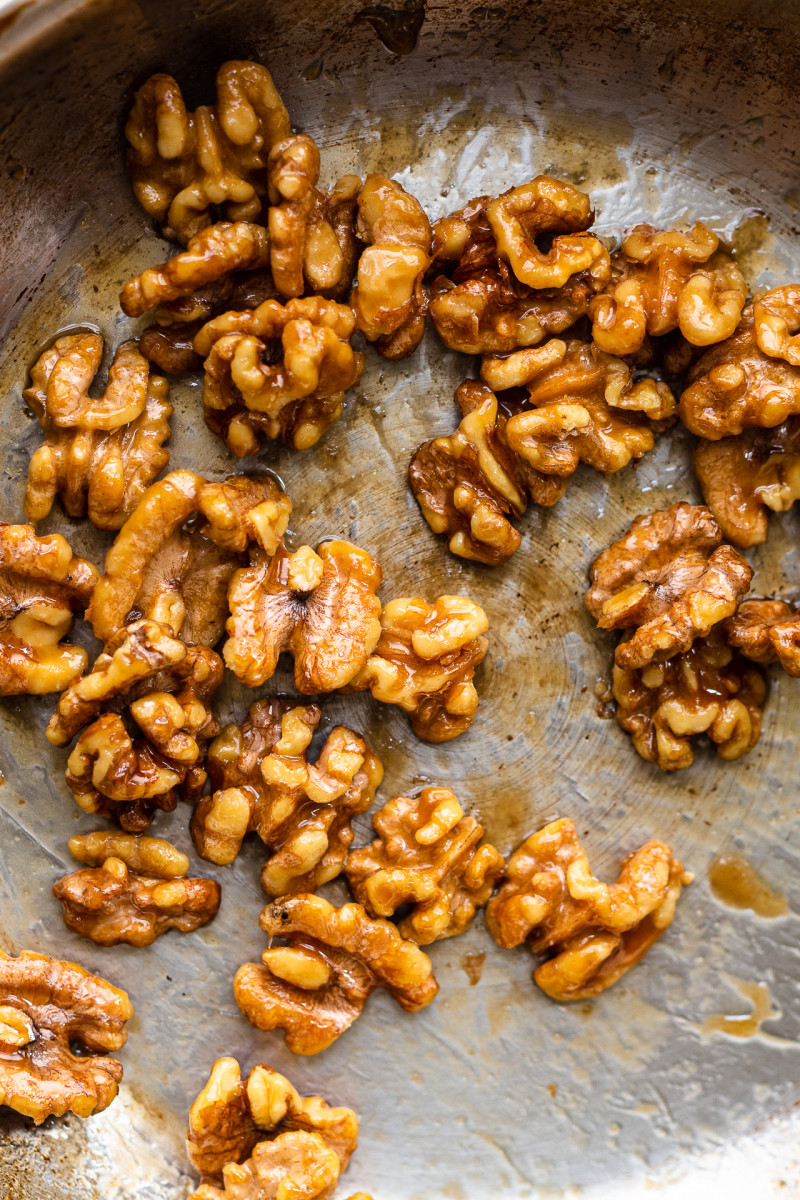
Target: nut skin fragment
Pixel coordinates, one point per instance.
(426, 854)
(41, 584)
(708, 689)
(767, 631)
(60, 1003)
(331, 630)
(98, 455)
(425, 660)
(745, 477)
(358, 954)
(670, 580)
(590, 932)
(184, 164)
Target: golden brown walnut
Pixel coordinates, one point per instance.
(427, 855)
(185, 164)
(297, 1165)
(767, 631)
(425, 660)
(165, 688)
(663, 280)
(315, 986)
(232, 1117)
(708, 689)
(319, 607)
(669, 579)
(277, 372)
(262, 782)
(42, 583)
(389, 299)
(736, 385)
(589, 932)
(134, 894)
(46, 1007)
(164, 568)
(777, 320)
(744, 478)
(100, 454)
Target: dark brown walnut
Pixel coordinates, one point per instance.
(767, 631)
(46, 1008)
(42, 583)
(426, 855)
(153, 683)
(389, 300)
(589, 932)
(425, 660)
(136, 893)
(316, 985)
(744, 478)
(670, 580)
(736, 385)
(296, 1164)
(277, 372)
(232, 1117)
(709, 689)
(321, 608)
(663, 280)
(173, 560)
(98, 454)
(183, 165)
(262, 782)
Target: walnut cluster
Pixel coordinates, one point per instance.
(46, 1008)
(588, 932)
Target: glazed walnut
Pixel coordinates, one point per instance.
(767, 631)
(169, 566)
(744, 478)
(315, 986)
(321, 608)
(670, 580)
(42, 583)
(262, 782)
(427, 855)
(425, 660)
(277, 371)
(708, 689)
(138, 891)
(46, 1007)
(297, 1165)
(589, 932)
(164, 688)
(389, 299)
(185, 164)
(736, 385)
(100, 454)
(664, 280)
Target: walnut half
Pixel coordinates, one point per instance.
(767, 631)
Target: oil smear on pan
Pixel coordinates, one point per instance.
(397, 28)
(747, 1025)
(736, 883)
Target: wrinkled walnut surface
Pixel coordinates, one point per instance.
(590, 932)
(296, 1165)
(767, 631)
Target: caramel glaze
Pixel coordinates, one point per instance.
(735, 882)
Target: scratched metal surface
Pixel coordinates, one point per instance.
(493, 1090)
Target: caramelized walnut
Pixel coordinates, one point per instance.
(42, 583)
(46, 1007)
(427, 855)
(277, 371)
(315, 987)
(767, 631)
(425, 660)
(262, 782)
(135, 893)
(745, 477)
(670, 579)
(708, 689)
(184, 164)
(297, 1165)
(389, 300)
(99, 455)
(777, 319)
(320, 608)
(590, 932)
(736, 385)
